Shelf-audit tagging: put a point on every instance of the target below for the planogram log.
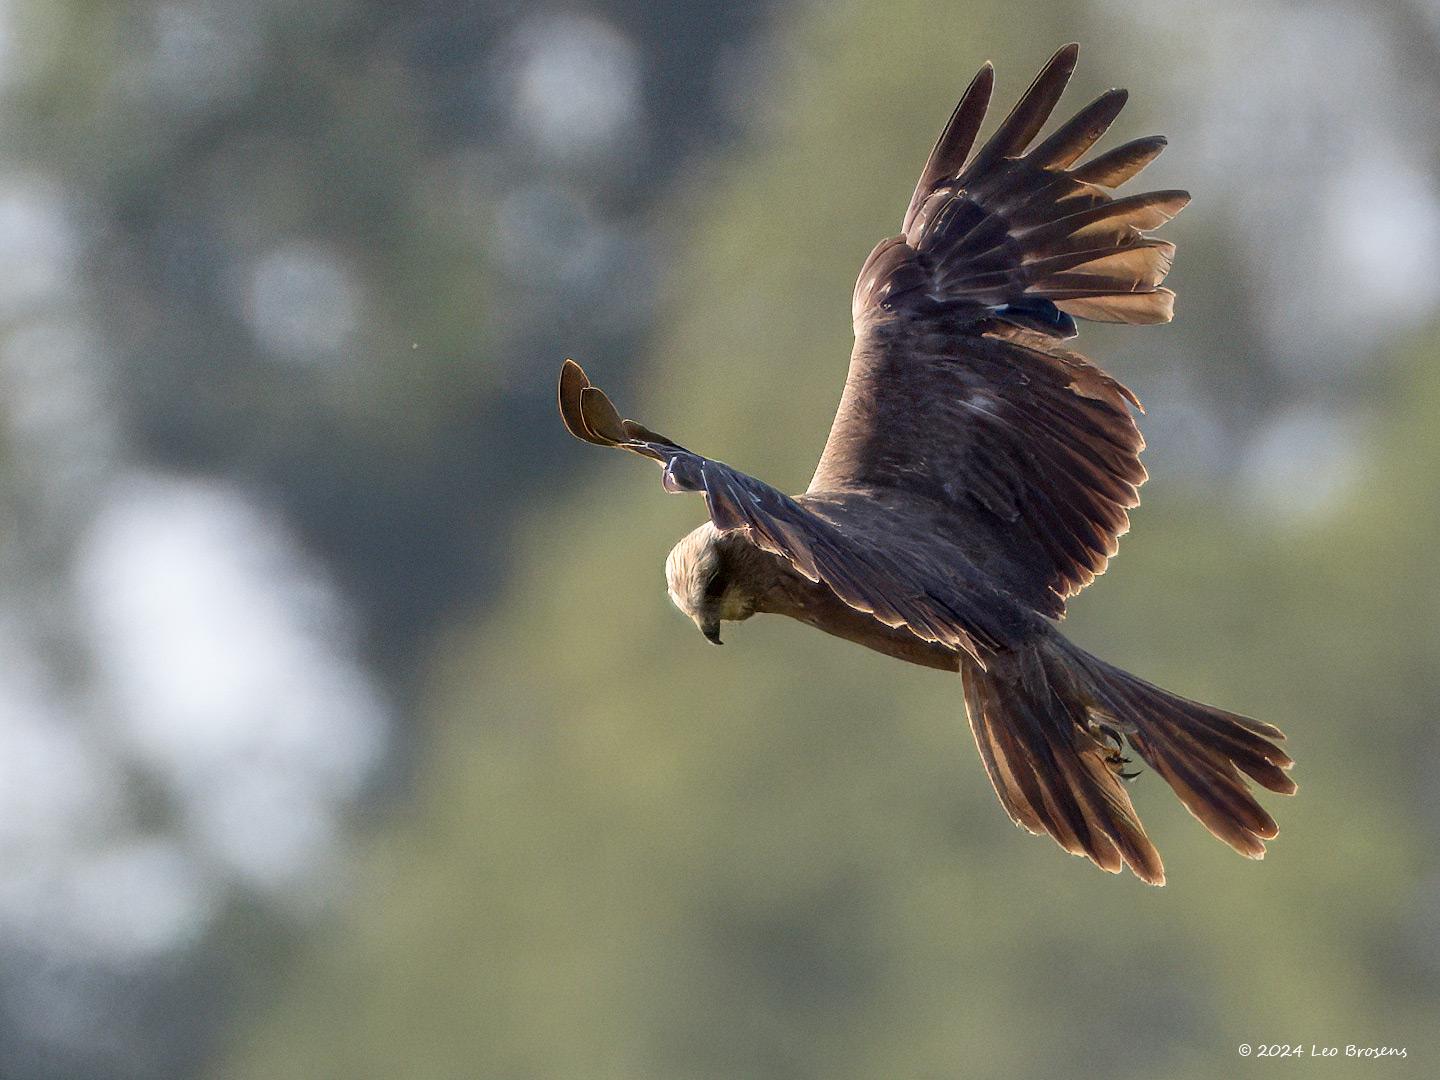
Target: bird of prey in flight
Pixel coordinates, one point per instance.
(978, 475)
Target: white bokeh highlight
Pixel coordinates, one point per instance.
(302, 303)
(36, 243)
(231, 671)
(576, 85)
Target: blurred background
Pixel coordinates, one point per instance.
(345, 728)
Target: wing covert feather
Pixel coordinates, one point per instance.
(1031, 451)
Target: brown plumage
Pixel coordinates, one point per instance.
(978, 474)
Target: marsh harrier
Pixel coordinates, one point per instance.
(978, 475)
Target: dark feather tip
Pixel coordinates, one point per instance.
(600, 416)
(572, 384)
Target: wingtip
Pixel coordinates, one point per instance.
(601, 417)
(1061, 65)
(572, 393)
(1029, 114)
(1066, 54)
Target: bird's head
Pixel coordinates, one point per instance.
(702, 583)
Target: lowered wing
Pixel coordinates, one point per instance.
(896, 590)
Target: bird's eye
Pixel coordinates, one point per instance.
(714, 587)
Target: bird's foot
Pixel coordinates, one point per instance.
(1105, 730)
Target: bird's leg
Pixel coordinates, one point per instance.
(1105, 730)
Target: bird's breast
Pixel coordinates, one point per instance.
(815, 605)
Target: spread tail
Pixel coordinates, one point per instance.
(1051, 723)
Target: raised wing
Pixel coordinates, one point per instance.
(1024, 231)
(959, 391)
(928, 600)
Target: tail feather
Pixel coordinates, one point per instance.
(1197, 749)
(1050, 722)
(1055, 777)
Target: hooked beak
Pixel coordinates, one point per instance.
(711, 630)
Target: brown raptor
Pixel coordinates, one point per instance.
(978, 474)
